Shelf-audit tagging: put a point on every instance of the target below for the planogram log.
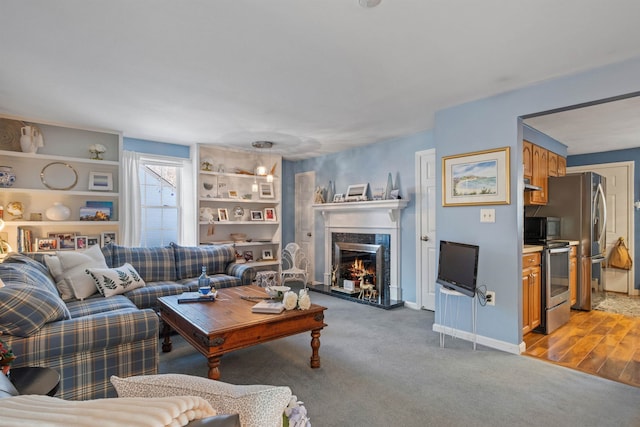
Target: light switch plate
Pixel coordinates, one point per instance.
(487, 215)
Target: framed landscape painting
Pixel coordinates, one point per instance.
(479, 178)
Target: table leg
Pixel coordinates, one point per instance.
(166, 343)
(315, 345)
(214, 371)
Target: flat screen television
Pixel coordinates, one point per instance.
(458, 267)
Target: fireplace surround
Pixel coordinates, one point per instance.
(362, 245)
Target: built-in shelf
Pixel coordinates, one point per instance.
(240, 223)
(61, 192)
(65, 223)
(64, 159)
(226, 200)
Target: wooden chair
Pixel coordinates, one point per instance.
(294, 264)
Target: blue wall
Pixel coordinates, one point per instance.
(543, 140)
(156, 148)
(372, 164)
(631, 155)
(495, 122)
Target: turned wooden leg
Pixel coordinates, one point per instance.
(166, 343)
(214, 371)
(315, 345)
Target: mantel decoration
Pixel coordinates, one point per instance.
(6, 357)
(478, 178)
(97, 151)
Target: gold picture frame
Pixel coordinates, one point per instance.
(478, 178)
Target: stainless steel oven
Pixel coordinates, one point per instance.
(555, 289)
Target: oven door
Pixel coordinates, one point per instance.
(557, 276)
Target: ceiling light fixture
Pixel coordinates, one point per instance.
(369, 3)
(261, 169)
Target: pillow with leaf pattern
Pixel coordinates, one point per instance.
(115, 281)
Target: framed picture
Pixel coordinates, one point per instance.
(223, 214)
(81, 242)
(95, 214)
(66, 241)
(267, 254)
(92, 241)
(108, 237)
(266, 190)
(357, 192)
(247, 255)
(232, 194)
(479, 178)
(269, 214)
(338, 197)
(256, 216)
(100, 181)
(46, 244)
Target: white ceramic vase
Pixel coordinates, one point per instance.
(28, 144)
(58, 212)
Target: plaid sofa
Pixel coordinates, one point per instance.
(90, 340)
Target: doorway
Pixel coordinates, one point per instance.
(304, 218)
(426, 228)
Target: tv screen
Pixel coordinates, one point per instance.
(458, 267)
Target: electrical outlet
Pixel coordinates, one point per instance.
(491, 298)
(487, 215)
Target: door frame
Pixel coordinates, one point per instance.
(422, 268)
(300, 210)
(630, 166)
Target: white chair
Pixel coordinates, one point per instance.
(294, 264)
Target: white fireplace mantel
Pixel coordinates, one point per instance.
(375, 216)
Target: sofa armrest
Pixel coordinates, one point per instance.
(243, 272)
(83, 334)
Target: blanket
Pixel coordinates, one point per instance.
(45, 411)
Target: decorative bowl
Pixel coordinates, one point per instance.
(277, 292)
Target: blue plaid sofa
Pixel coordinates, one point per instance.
(87, 341)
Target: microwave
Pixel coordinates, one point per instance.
(541, 228)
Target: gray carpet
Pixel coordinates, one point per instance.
(385, 368)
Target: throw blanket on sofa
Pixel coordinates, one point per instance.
(33, 410)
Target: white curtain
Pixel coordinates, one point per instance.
(131, 221)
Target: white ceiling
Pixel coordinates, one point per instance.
(314, 76)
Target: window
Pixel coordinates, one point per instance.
(159, 201)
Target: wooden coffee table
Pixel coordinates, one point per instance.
(227, 324)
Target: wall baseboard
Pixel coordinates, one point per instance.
(480, 339)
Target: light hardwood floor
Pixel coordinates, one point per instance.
(599, 343)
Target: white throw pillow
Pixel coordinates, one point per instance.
(72, 271)
(55, 268)
(116, 281)
(257, 405)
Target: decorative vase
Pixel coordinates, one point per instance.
(28, 142)
(7, 176)
(389, 187)
(58, 212)
(330, 193)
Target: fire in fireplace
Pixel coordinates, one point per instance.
(357, 268)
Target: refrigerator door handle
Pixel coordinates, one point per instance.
(600, 193)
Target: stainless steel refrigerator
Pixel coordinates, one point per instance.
(579, 200)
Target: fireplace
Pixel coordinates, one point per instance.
(362, 242)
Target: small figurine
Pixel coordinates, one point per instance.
(319, 198)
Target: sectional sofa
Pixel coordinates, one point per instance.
(93, 314)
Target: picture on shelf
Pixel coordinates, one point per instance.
(92, 241)
(267, 254)
(269, 214)
(66, 241)
(46, 244)
(100, 181)
(248, 255)
(223, 214)
(266, 190)
(95, 214)
(108, 237)
(256, 216)
(232, 194)
(81, 242)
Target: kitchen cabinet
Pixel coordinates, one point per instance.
(236, 206)
(540, 173)
(60, 172)
(527, 159)
(573, 275)
(531, 292)
(552, 164)
(562, 166)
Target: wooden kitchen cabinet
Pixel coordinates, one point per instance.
(540, 174)
(531, 292)
(527, 159)
(552, 164)
(562, 166)
(573, 275)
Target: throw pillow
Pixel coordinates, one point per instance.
(258, 405)
(55, 268)
(72, 271)
(24, 309)
(116, 281)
